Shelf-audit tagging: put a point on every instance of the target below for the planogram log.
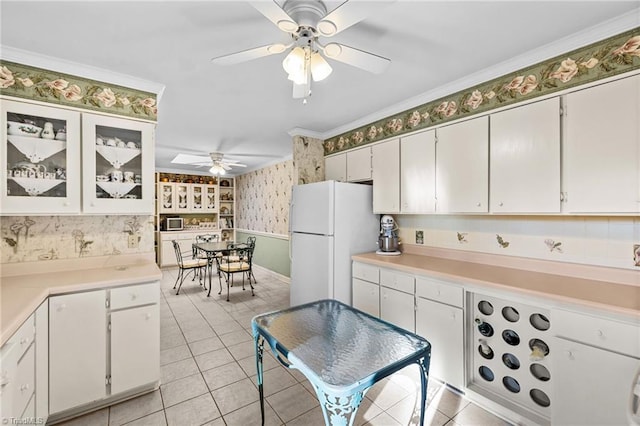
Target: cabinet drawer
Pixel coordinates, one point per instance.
(366, 272)
(23, 338)
(397, 280)
(24, 381)
(439, 291)
(135, 295)
(605, 333)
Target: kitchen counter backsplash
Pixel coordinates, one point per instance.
(602, 241)
(37, 238)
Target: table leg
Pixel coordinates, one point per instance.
(339, 410)
(259, 342)
(424, 377)
(210, 267)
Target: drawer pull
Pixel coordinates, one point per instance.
(570, 355)
(148, 316)
(24, 387)
(134, 296)
(600, 333)
(4, 380)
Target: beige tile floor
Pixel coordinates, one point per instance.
(208, 372)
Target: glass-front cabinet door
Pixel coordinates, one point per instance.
(166, 197)
(117, 165)
(182, 198)
(40, 159)
(210, 198)
(197, 198)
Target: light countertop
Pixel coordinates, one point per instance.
(21, 294)
(618, 298)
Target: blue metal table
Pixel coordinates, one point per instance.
(341, 350)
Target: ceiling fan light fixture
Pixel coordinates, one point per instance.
(320, 68)
(217, 169)
(294, 62)
(327, 28)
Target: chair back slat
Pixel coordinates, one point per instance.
(176, 247)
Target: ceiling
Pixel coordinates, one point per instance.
(246, 110)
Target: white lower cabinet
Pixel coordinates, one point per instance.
(596, 363)
(135, 347)
(102, 343)
(366, 297)
(24, 370)
(184, 239)
(397, 308)
(592, 386)
(442, 325)
(77, 349)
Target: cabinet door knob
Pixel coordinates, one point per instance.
(24, 340)
(134, 296)
(61, 307)
(478, 205)
(147, 316)
(570, 355)
(24, 387)
(500, 204)
(66, 204)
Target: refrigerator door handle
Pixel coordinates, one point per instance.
(290, 227)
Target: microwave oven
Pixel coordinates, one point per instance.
(174, 224)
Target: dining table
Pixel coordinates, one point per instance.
(341, 350)
(213, 250)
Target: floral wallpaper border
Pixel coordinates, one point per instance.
(38, 84)
(603, 59)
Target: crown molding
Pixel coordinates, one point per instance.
(609, 28)
(298, 131)
(38, 60)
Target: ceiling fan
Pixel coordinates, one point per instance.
(306, 21)
(219, 165)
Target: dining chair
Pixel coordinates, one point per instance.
(186, 266)
(251, 242)
(205, 238)
(237, 258)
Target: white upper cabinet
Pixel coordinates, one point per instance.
(117, 159)
(525, 159)
(359, 164)
(40, 163)
(417, 174)
(335, 168)
(386, 177)
(462, 167)
(602, 148)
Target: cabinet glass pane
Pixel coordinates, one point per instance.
(118, 163)
(36, 156)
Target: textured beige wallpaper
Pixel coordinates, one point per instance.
(308, 159)
(263, 198)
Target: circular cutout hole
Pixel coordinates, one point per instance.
(485, 351)
(511, 361)
(484, 328)
(486, 373)
(510, 314)
(539, 322)
(511, 384)
(540, 397)
(540, 372)
(511, 337)
(485, 307)
(539, 349)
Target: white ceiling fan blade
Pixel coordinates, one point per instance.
(191, 159)
(348, 14)
(356, 57)
(273, 12)
(224, 166)
(249, 54)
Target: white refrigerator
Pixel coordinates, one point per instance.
(329, 222)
